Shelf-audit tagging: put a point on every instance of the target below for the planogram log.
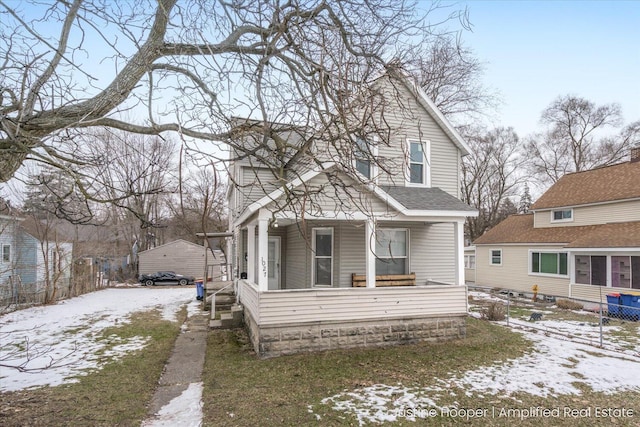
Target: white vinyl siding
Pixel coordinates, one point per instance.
(326, 305)
(412, 122)
(590, 215)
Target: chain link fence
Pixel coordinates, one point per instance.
(612, 323)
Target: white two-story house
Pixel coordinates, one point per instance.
(582, 239)
(334, 248)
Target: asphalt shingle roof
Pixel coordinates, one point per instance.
(606, 184)
(519, 229)
(418, 198)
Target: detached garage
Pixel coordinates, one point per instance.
(183, 257)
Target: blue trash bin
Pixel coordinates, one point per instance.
(613, 307)
(630, 309)
(199, 290)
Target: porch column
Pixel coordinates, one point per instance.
(251, 253)
(370, 256)
(458, 232)
(263, 254)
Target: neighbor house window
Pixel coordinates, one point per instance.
(496, 256)
(549, 263)
(591, 270)
(6, 253)
(625, 272)
(392, 251)
(418, 162)
(562, 215)
(469, 261)
(322, 256)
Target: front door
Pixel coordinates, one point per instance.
(274, 263)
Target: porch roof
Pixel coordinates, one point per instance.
(426, 199)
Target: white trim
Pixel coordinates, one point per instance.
(629, 249)
(553, 211)
(491, 263)
(426, 165)
(255, 206)
(314, 230)
(547, 251)
(607, 202)
(431, 108)
(407, 257)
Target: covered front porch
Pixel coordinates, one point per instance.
(288, 253)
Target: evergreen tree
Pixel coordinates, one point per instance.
(525, 201)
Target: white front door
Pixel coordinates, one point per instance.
(274, 263)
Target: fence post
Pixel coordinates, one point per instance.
(600, 322)
(508, 305)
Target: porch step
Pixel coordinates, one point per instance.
(228, 319)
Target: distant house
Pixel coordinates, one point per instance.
(29, 266)
(470, 264)
(582, 238)
(183, 257)
(376, 261)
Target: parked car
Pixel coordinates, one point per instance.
(165, 278)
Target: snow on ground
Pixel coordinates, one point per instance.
(68, 335)
(182, 411)
(563, 354)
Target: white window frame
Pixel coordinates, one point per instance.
(468, 263)
(546, 251)
(570, 219)
(6, 246)
(426, 165)
(373, 148)
(407, 264)
(491, 257)
(313, 256)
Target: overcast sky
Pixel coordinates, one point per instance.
(535, 51)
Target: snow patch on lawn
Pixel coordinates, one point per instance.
(182, 411)
(65, 340)
(552, 368)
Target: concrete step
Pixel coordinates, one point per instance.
(228, 319)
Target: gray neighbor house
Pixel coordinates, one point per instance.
(344, 253)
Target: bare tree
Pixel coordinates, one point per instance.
(491, 174)
(201, 205)
(451, 76)
(579, 137)
(189, 66)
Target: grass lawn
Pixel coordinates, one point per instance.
(241, 390)
(116, 395)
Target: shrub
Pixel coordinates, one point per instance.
(569, 305)
(494, 311)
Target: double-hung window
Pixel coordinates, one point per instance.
(496, 257)
(419, 158)
(549, 263)
(364, 155)
(469, 261)
(322, 256)
(392, 249)
(6, 253)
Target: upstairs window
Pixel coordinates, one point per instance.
(418, 163)
(562, 215)
(6, 253)
(364, 154)
(362, 159)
